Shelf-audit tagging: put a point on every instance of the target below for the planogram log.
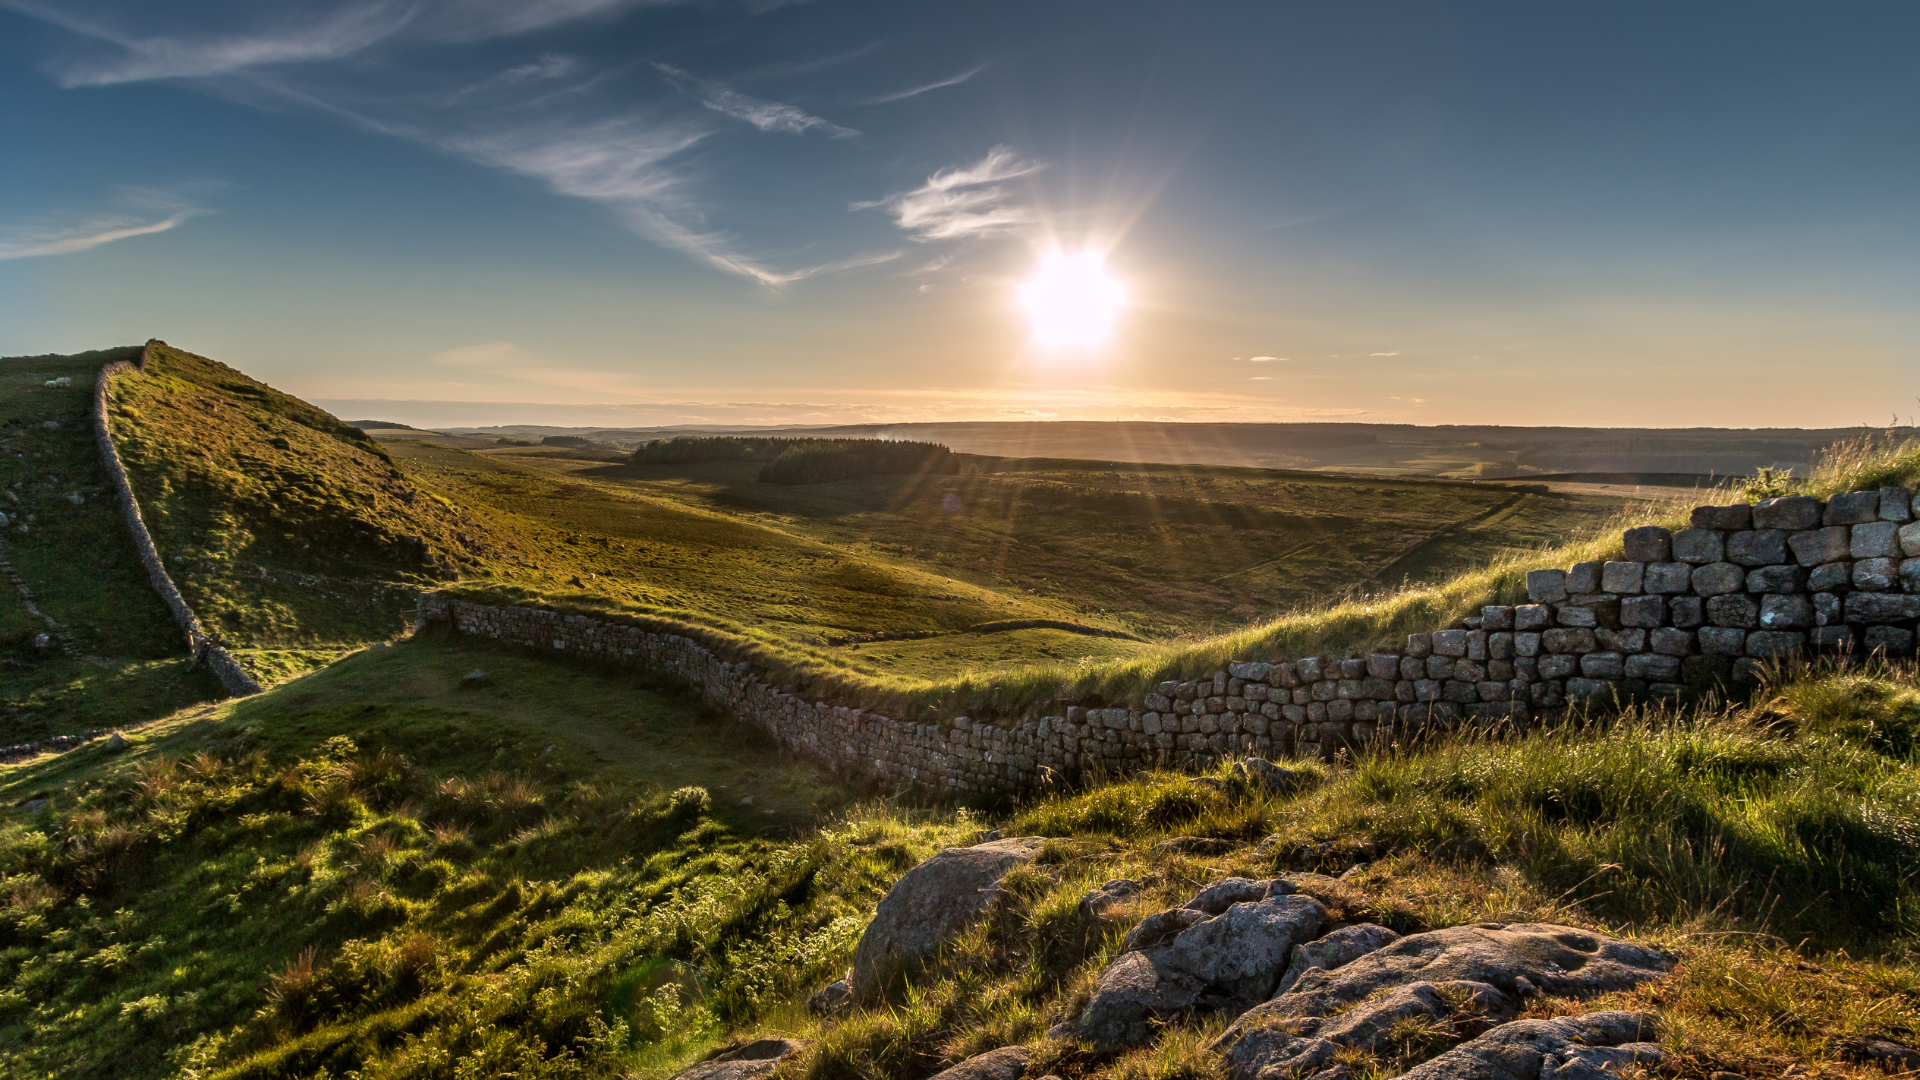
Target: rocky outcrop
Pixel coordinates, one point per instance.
(1593, 1047)
(1343, 945)
(1006, 1063)
(1277, 1048)
(755, 1059)
(1225, 948)
(932, 903)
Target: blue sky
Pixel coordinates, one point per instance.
(600, 211)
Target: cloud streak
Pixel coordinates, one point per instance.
(765, 115)
(918, 90)
(962, 202)
(93, 230)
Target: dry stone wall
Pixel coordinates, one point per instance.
(204, 649)
(1680, 612)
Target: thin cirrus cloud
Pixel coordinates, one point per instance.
(1264, 359)
(765, 115)
(918, 90)
(962, 202)
(143, 213)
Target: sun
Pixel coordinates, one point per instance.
(1072, 300)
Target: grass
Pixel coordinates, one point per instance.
(129, 661)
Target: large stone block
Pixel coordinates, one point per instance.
(1723, 641)
(1669, 641)
(1311, 668)
(1419, 646)
(1875, 540)
(1496, 617)
(1591, 690)
(1876, 575)
(1667, 578)
(1757, 547)
(1571, 615)
(1698, 546)
(1773, 644)
(1558, 666)
(1811, 547)
(1733, 609)
(1896, 504)
(1837, 638)
(1788, 512)
(1648, 543)
(1687, 612)
(1546, 586)
(1584, 578)
(1383, 665)
(1910, 575)
(1909, 539)
(1830, 576)
(1526, 643)
(1450, 643)
(1476, 644)
(1567, 640)
(1643, 610)
(1881, 607)
(1890, 640)
(1603, 665)
(1439, 667)
(1828, 610)
(1723, 518)
(1853, 507)
(1623, 578)
(1716, 578)
(1653, 667)
(1788, 611)
(1532, 617)
(1620, 641)
(1776, 579)
(1500, 645)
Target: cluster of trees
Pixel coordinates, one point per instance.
(803, 461)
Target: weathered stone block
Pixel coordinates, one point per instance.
(1776, 579)
(1667, 578)
(1412, 667)
(1426, 690)
(1733, 609)
(1500, 669)
(1620, 641)
(1459, 691)
(1353, 668)
(1669, 641)
(1723, 518)
(1827, 609)
(1716, 578)
(1622, 578)
(1853, 507)
(1603, 665)
(1526, 668)
(1698, 546)
(1383, 665)
(1838, 638)
(1881, 607)
(1439, 667)
(1789, 512)
(1766, 644)
(1758, 547)
(1875, 540)
(1558, 666)
(1450, 643)
(1830, 576)
(1910, 575)
(1532, 617)
(1340, 710)
(1589, 690)
(1648, 543)
(1584, 578)
(1643, 610)
(1909, 539)
(1811, 547)
(1891, 640)
(1546, 586)
(1653, 667)
(1476, 644)
(1896, 504)
(1309, 668)
(1789, 611)
(1493, 690)
(1567, 640)
(1251, 671)
(1500, 645)
(1526, 644)
(1723, 641)
(1496, 617)
(1876, 575)
(1687, 612)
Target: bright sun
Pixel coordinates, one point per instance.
(1072, 300)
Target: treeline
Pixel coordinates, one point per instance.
(803, 461)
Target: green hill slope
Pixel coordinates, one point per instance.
(113, 654)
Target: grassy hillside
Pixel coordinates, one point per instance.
(288, 531)
(114, 654)
(368, 870)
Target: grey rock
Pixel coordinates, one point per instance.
(1668, 641)
(1775, 644)
(1161, 927)
(1223, 894)
(1723, 518)
(1006, 1063)
(1815, 546)
(117, 742)
(1648, 544)
(832, 999)
(1267, 776)
(756, 1058)
(1839, 638)
(1875, 540)
(1591, 1047)
(1890, 640)
(1910, 575)
(1546, 586)
(1565, 639)
(1574, 616)
(1716, 578)
(1896, 504)
(1687, 612)
(1872, 1050)
(1653, 667)
(1734, 609)
(1343, 946)
(1853, 508)
(1094, 906)
(1603, 665)
(1450, 643)
(1532, 617)
(1758, 547)
(1876, 575)
(1827, 609)
(1526, 645)
(1643, 611)
(1789, 512)
(473, 680)
(1909, 536)
(1304, 1044)
(1669, 577)
(1830, 576)
(1623, 578)
(1583, 578)
(1723, 641)
(931, 903)
(1698, 546)
(1789, 611)
(1776, 579)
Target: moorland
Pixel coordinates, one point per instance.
(381, 867)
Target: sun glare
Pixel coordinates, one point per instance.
(1072, 300)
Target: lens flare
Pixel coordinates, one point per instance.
(1072, 300)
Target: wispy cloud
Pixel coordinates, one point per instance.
(765, 115)
(1395, 352)
(918, 90)
(960, 202)
(140, 213)
(1263, 359)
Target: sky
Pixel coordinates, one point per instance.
(653, 212)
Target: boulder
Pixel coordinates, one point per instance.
(757, 1058)
(1265, 775)
(1466, 1008)
(1592, 1047)
(1094, 906)
(1344, 945)
(932, 903)
(832, 999)
(1006, 1063)
(1520, 959)
(1226, 948)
